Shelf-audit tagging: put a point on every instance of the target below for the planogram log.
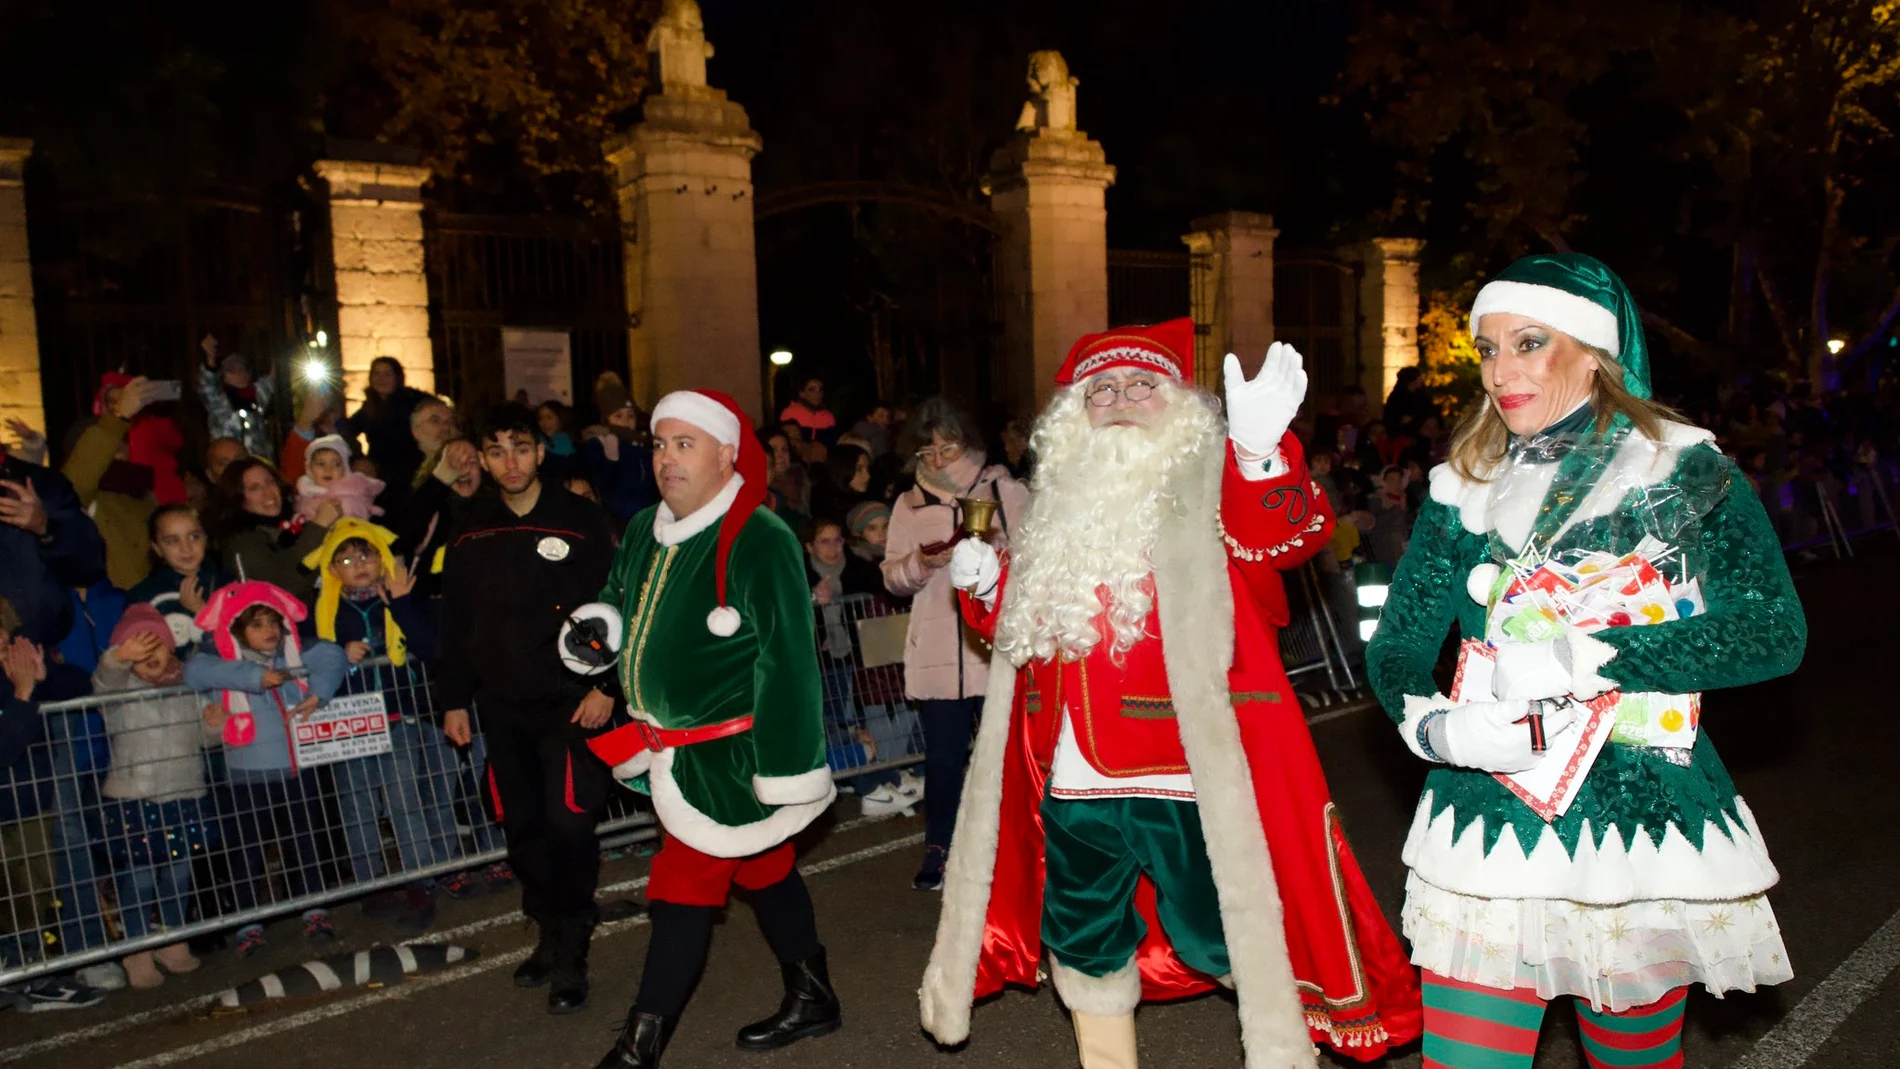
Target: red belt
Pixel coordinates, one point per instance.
(658, 738)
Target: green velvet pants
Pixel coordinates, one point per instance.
(1095, 850)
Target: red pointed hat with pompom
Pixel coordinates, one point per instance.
(720, 416)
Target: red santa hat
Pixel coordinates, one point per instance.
(1165, 347)
(720, 416)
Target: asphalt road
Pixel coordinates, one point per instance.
(1814, 755)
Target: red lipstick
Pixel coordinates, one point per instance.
(1509, 401)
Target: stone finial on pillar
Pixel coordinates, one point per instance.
(1047, 187)
(382, 293)
(1234, 298)
(683, 186)
(20, 395)
(1388, 312)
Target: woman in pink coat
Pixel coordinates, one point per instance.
(946, 668)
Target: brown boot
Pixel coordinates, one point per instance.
(175, 959)
(1105, 1042)
(140, 972)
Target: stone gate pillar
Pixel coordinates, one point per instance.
(20, 395)
(683, 182)
(382, 292)
(1234, 294)
(1047, 187)
(1388, 312)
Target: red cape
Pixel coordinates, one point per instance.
(1358, 989)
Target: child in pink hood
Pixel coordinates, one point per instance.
(327, 475)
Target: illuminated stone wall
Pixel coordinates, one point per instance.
(20, 396)
(382, 293)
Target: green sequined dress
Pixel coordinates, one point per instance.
(1655, 875)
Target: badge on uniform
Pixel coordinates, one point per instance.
(552, 548)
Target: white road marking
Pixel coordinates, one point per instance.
(195, 1005)
(1806, 1028)
(420, 984)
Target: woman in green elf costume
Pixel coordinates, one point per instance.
(1610, 564)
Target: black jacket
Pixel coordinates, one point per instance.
(37, 573)
(508, 584)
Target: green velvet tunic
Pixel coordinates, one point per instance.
(1753, 630)
(677, 673)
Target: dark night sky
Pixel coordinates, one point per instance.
(1203, 106)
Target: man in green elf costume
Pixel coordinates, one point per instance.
(709, 612)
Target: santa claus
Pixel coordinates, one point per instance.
(1145, 815)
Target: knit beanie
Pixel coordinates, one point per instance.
(142, 619)
(862, 515)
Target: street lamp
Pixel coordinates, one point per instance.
(781, 357)
(1835, 345)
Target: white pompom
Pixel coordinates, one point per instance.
(723, 621)
(1479, 583)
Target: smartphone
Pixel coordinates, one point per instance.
(166, 389)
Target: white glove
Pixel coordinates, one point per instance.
(1260, 409)
(1563, 667)
(974, 567)
(1488, 735)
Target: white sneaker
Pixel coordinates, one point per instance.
(884, 802)
(106, 976)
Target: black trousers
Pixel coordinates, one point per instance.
(547, 790)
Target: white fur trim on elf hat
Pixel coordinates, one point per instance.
(1580, 317)
(691, 406)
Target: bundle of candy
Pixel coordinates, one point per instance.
(1534, 599)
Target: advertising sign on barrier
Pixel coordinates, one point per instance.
(345, 729)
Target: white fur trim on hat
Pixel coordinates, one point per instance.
(691, 406)
(1580, 317)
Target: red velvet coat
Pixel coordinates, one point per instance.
(1359, 992)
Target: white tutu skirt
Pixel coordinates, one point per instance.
(1614, 957)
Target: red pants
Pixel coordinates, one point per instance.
(686, 877)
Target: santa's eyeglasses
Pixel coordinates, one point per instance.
(1134, 392)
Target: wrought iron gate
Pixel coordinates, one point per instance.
(134, 285)
(1316, 310)
(487, 272)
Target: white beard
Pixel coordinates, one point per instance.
(1099, 500)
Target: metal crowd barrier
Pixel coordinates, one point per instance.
(1317, 641)
(871, 729)
(1864, 499)
(379, 799)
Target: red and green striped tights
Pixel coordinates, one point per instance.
(1473, 1027)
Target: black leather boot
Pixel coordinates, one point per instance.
(809, 1008)
(568, 993)
(540, 965)
(642, 1040)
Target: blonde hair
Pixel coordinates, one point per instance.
(1479, 443)
(9, 619)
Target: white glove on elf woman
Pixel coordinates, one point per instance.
(1492, 736)
(975, 567)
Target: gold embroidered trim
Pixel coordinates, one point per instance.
(650, 592)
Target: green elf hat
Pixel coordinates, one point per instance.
(1578, 295)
